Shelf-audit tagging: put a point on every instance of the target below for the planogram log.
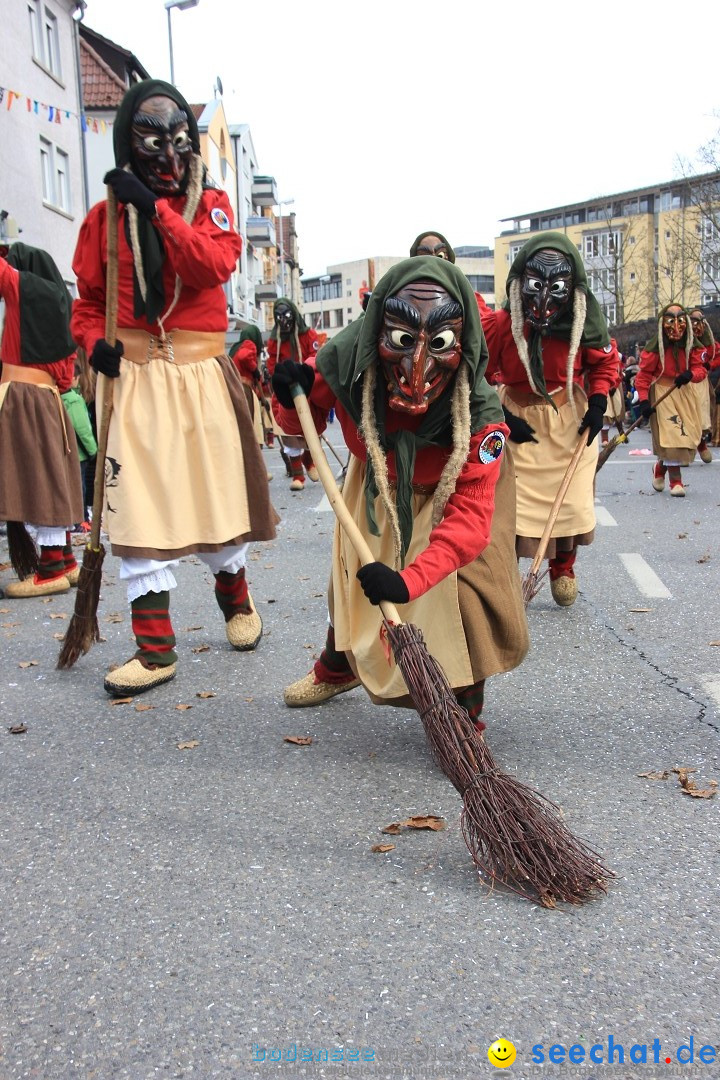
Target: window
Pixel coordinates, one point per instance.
(600, 245)
(349, 311)
(326, 320)
(54, 164)
(45, 38)
(514, 251)
(349, 292)
(610, 311)
(339, 317)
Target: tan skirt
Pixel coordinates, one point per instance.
(183, 471)
(39, 462)
(539, 470)
(676, 425)
(615, 410)
(706, 395)
(473, 622)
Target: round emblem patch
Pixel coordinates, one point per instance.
(491, 447)
(220, 218)
(607, 348)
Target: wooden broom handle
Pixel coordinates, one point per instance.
(111, 318)
(555, 509)
(332, 491)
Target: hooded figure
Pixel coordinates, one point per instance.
(552, 354)
(183, 469)
(292, 339)
(427, 446)
(40, 479)
(672, 358)
(432, 243)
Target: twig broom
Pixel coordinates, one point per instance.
(83, 631)
(623, 436)
(516, 836)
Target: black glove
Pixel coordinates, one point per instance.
(105, 358)
(520, 430)
(288, 372)
(379, 582)
(645, 409)
(683, 377)
(129, 190)
(592, 421)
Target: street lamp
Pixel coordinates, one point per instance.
(182, 5)
(323, 279)
(280, 204)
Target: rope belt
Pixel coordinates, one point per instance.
(178, 347)
(43, 379)
(524, 398)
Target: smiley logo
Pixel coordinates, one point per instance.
(501, 1054)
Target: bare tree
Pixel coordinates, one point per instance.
(619, 261)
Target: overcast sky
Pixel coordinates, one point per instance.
(387, 117)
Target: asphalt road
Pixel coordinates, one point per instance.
(201, 912)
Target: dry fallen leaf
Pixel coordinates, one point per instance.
(690, 787)
(58, 615)
(18, 729)
(5, 565)
(189, 745)
(422, 821)
(4, 610)
(381, 848)
(639, 610)
(122, 701)
(143, 708)
(187, 629)
(8, 624)
(59, 637)
(183, 708)
(662, 774)
(205, 694)
(116, 617)
(682, 536)
(201, 648)
(28, 663)
(714, 643)
(298, 740)
(704, 558)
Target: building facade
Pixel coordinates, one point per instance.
(333, 299)
(641, 248)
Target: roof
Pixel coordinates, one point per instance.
(124, 63)
(101, 87)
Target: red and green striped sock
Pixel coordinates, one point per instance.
(332, 667)
(69, 555)
(472, 699)
(562, 564)
(51, 565)
(231, 593)
(153, 630)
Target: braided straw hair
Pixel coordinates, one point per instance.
(460, 414)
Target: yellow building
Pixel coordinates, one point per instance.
(641, 248)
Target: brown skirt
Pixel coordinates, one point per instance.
(473, 622)
(40, 466)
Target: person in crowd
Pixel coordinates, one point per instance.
(79, 415)
(704, 336)
(291, 339)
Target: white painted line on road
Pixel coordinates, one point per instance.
(713, 688)
(644, 577)
(323, 506)
(603, 516)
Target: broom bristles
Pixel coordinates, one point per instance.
(515, 835)
(22, 550)
(532, 583)
(83, 631)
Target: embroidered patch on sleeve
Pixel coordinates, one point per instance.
(491, 447)
(220, 218)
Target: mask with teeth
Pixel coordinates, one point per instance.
(420, 345)
(546, 287)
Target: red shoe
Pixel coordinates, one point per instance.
(659, 476)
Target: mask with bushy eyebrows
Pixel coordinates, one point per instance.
(546, 287)
(161, 145)
(420, 345)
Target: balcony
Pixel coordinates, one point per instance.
(264, 191)
(267, 292)
(260, 232)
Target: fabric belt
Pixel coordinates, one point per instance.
(524, 398)
(15, 373)
(178, 347)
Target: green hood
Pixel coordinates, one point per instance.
(343, 361)
(431, 232)
(45, 306)
(300, 324)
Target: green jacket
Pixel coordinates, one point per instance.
(77, 410)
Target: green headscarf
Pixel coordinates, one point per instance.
(343, 361)
(595, 334)
(45, 306)
(431, 232)
(151, 245)
(300, 324)
(252, 333)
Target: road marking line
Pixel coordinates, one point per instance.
(713, 688)
(323, 506)
(644, 577)
(604, 517)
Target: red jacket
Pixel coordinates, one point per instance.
(652, 369)
(309, 345)
(203, 255)
(464, 531)
(62, 371)
(594, 369)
